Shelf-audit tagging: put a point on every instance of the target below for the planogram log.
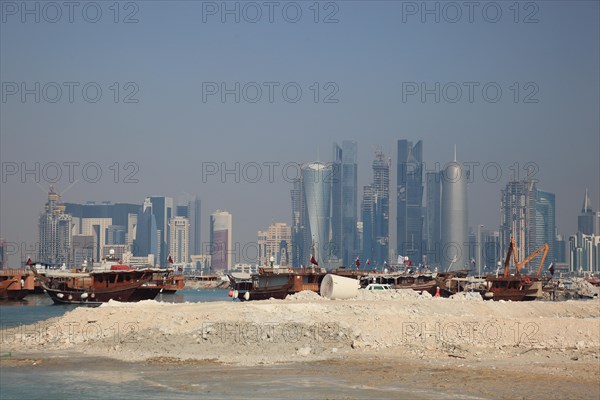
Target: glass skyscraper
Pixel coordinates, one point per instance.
(409, 199)
(317, 181)
(546, 223)
(344, 195)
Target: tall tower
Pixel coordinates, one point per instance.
(221, 243)
(380, 193)
(409, 197)
(179, 241)
(317, 194)
(147, 238)
(518, 217)
(162, 208)
(195, 226)
(337, 233)
(344, 195)
(433, 218)
(368, 222)
(454, 246)
(55, 232)
(545, 215)
(300, 229)
(587, 221)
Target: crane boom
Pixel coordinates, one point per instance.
(511, 250)
(544, 248)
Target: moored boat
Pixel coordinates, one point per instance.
(15, 284)
(94, 288)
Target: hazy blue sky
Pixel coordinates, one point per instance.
(176, 47)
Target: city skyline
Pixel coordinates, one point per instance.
(171, 122)
(115, 231)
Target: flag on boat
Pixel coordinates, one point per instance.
(29, 262)
(551, 269)
(357, 262)
(368, 261)
(170, 259)
(180, 269)
(313, 260)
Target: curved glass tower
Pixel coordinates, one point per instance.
(317, 190)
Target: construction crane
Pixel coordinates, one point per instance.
(513, 251)
(521, 264)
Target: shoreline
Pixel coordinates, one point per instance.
(380, 376)
(524, 349)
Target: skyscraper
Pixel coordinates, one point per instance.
(221, 243)
(275, 242)
(584, 247)
(55, 236)
(368, 222)
(316, 178)
(300, 228)
(380, 193)
(433, 218)
(344, 212)
(409, 197)
(195, 226)
(162, 208)
(588, 222)
(545, 223)
(3, 254)
(147, 234)
(336, 201)
(518, 217)
(454, 246)
(179, 242)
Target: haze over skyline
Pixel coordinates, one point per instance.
(371, 61)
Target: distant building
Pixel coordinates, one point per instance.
(518, 217)
(454, 251)
(588, 222)
(83, 250)
(300, 227)
(221, 243)
(118, 250)
(584, 253)
(109, 223)
(560, 246)
(367, 214)
(344, 196)
(584, 247)
(201, 262)
(433, 218)
(545, 223)
(194, 215)
(409, 198)
(55, 233)
(147, 240)
(3, 254)
(316, 179)
(162, 208)
(380, 192)
(179, 241)
(275, 242)
(490, 250)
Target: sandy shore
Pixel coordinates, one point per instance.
(492, 349)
